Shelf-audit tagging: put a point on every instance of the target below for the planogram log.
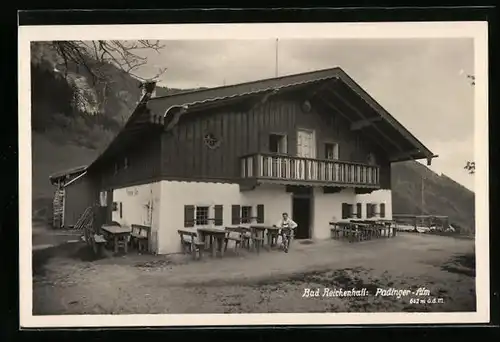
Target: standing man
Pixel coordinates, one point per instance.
(286, 225)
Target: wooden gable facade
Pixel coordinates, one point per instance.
(228, 134)
(237, 131)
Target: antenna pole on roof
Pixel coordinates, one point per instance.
(276, 57)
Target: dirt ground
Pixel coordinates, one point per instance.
(67, 281)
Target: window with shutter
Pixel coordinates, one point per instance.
(246, 214)
(235, 214)
(382, 209)
(359, 209)
(189, 216)
(345, 211)
(369, 212)
(218, 213)
(202, 215)
(260, 213)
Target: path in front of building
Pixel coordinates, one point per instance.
(43, 236)
(271, 281)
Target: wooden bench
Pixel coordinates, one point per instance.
(140, 237)
(335, 230)
(257, 237)
(233, 234)
(190, 243)
(95, 241)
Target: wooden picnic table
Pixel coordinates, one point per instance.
(390, 225)
(258, 234)
(216, 239)
(240, 238)
(119, 234)
(272, 235)
(341, 229)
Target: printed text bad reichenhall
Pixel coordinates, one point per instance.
(362, 292)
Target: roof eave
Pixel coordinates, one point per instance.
(428, 156)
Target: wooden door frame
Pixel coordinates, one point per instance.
(309, 197)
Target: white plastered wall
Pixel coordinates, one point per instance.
(176, 194)
(377, 197)
(275, 199)
(328, 208)
(141, 205)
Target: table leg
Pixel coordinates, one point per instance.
(221, 246)
(125, 238)
(115, 241)
(213, 246)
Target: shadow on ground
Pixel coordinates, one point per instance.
(75, 251)
(464, 264)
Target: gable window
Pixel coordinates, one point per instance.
(277, 143)
(211, 141)
(331, 151)
(371, 159)
(246, 214)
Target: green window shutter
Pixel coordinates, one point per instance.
(260, 213)
(189, 216)
(235, 214)
(218, 215)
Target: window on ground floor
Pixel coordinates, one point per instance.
(359, 209)
(202, 215)
(371, 210)
(347, 210)
(382, 210)
(246, 214)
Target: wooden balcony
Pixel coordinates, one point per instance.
(284, 169)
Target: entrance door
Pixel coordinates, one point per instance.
(306, 148)
(301, 207)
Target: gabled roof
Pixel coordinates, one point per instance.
(331, 90)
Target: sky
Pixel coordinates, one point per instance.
(422, 82)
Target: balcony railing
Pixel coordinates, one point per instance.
(283, 167)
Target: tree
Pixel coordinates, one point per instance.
(92, 59)
(470, 167)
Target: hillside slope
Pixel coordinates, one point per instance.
(66, 136)
(442, 195)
